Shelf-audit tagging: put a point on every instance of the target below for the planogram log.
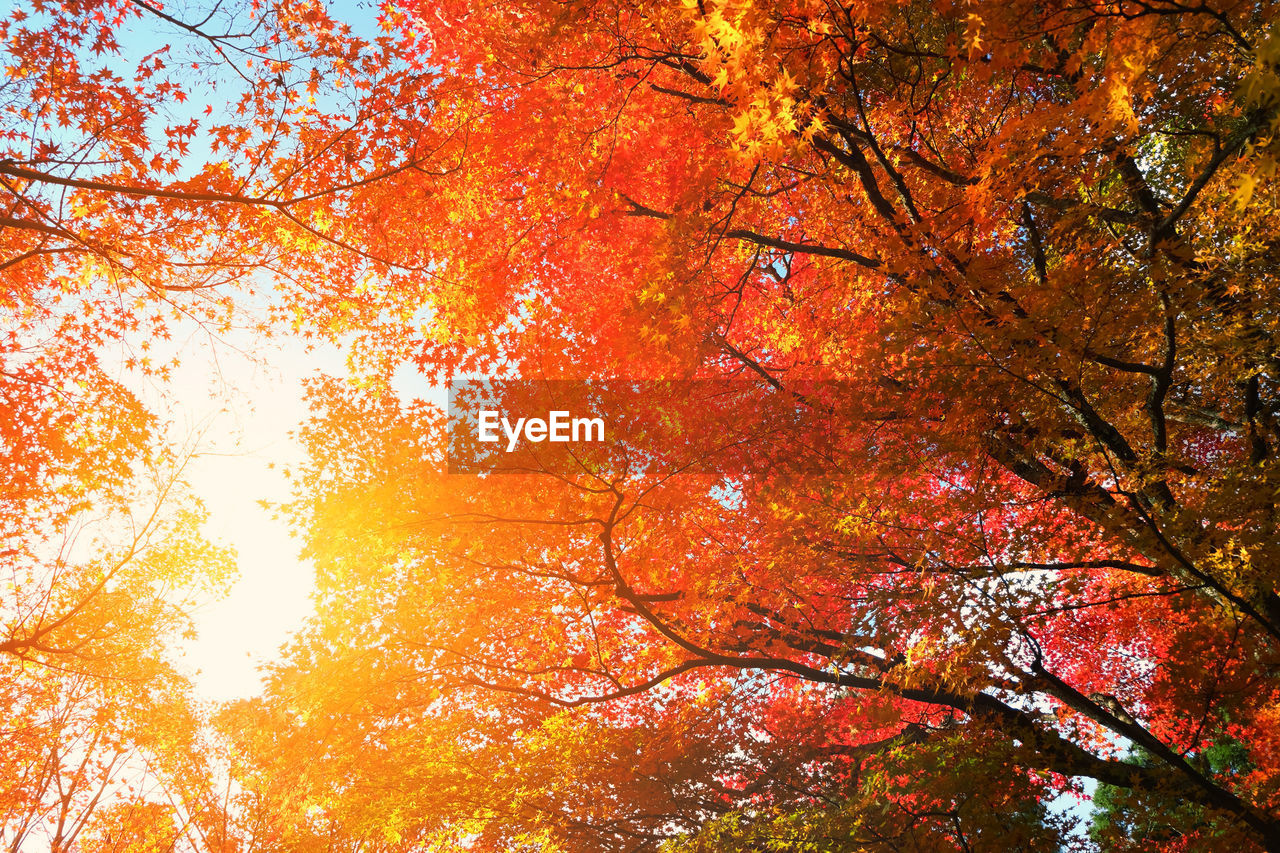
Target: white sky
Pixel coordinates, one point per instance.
(239, 397)
(244, 396)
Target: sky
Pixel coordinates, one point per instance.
(243, 396)
(239, 398)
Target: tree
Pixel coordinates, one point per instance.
(115, 232)
(1121, 819)
(1000, 503)
(146, 193)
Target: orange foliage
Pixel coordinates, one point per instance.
(952, 484)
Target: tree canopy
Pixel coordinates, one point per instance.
(940, 476)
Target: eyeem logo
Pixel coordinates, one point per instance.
(559, 426)
(601, 427)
